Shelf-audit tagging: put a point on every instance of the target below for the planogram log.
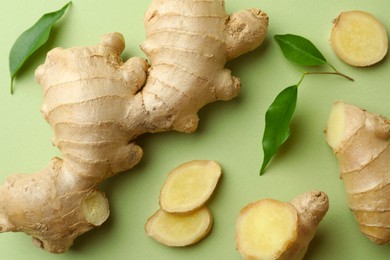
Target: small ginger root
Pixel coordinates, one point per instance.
(179, 230)
(98, 105)
(270, 229)
(361, 143)
(358, 38)
(189, 186)
(183, 218)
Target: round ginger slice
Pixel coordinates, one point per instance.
(179, 230)
(189, 186)
(358, 38)
(265, 229)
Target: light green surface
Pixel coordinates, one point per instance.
(229, 132)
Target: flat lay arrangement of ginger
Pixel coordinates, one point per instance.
(361, 143)
(97, 105)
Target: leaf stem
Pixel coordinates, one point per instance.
(339, 73)
(328, 73)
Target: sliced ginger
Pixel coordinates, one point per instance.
(183, 219)
(358, 38)
(189, 186)
(179, 230)
(270, 229)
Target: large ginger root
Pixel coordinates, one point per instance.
(271, 229)
(97, 105)
(360, 141)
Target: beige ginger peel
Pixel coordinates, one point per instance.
(97, 105)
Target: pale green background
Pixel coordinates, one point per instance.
(229, 132)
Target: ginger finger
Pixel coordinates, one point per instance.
(360, 142)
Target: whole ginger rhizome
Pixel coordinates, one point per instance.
(97, 105)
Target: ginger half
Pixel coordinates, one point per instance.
(270, 229)
(361, 143)
(97, 105)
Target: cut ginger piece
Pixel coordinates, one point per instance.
(189, 186)
(360, 141)
(265, 228)
(358, 38)
(270, 229)
(179, 230)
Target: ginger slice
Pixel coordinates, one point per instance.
(270, 229)
(358, 38)
(265, 228)
(179, 230)
(189, 186)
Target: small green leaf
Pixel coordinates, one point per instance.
(300, 50)
(277, 123)
(30, 40)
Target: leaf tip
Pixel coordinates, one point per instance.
(264, 165)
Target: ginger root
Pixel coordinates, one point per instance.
(270, 229)
(361, 143)
(97, 105)
(358, 38)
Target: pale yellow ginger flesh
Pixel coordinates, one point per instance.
(266, 226)
(269, 229)
(98, 104)
(183, 218)
(361, 143)
(179, 230)
(95, 208)
(189, 186)
(358, 38)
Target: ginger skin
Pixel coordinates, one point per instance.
(97, 105)
(361, 143)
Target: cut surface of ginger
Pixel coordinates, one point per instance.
(336, 125)
(95, 208)
(265, 228)
(179, 230)
(189, 186)
(358, 38)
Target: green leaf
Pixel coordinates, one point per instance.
(277, 123)
(30, 40)
(300, 50)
